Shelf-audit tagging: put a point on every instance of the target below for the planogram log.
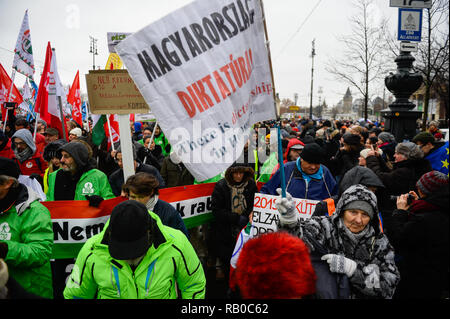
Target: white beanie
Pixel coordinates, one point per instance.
(76, 131)
(365, 152)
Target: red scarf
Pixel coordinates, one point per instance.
(421, 206)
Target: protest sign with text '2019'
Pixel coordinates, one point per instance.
(266, 215)
(204, 71)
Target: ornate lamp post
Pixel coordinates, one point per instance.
(400, 118)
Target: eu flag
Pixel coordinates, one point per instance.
(439, 159)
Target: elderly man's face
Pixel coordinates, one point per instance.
(67, 162)
(50, 138)
(309, 168)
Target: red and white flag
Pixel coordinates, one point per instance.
(114, 134)
(74, 98)
(49, 89)
(5, 84)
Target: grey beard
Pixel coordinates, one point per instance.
(24, 155)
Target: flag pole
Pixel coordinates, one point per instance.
(63, 123)
(151, 140)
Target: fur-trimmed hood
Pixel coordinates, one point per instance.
(249, 173)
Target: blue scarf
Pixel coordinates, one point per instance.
(306, 177)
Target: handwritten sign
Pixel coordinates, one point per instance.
(114, 92)
(266, 215)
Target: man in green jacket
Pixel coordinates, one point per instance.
(136, 257)
(77, 179)
(26, 233)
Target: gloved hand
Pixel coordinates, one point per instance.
(340, 264)
(286, 207)
(94, 200)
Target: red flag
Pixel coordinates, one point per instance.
(5, 84)
(74, 99)
(46, 85)
(113, 121)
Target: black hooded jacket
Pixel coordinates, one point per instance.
(420, 237)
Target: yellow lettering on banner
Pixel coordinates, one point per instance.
(115, 60)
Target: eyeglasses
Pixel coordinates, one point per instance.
(21, 143)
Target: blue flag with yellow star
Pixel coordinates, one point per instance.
(439, 159)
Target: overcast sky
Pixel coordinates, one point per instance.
(291, 24)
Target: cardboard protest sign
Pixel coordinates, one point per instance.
(266, 215)
(113, 92)
(204, 70)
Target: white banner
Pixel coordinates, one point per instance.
(265, 213)
(204, 70)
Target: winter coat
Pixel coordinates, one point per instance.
(226, 224)
(5, 148)
(175, 174)
(170, 263)
(420, 237)
(27, 229)
(343, 162)
(404, 175)
(33, 165)
(162, 141)
(92, 182)
(315, 189)
(116, 179)
(376, 275)
(151, 157)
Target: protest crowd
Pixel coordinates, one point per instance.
(379, 229)
(178, 179)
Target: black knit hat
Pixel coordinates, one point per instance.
(313, 153)
(52, 150)
(352, 139)
(129, 228)
(9, 167)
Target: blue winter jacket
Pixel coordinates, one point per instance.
(315, 189)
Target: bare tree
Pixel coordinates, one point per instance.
(433, 54)
(432, 58)
(362, 62)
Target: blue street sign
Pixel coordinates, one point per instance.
(409, 24)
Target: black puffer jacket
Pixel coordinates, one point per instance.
(420, 238)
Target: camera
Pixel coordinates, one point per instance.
(409, 200)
